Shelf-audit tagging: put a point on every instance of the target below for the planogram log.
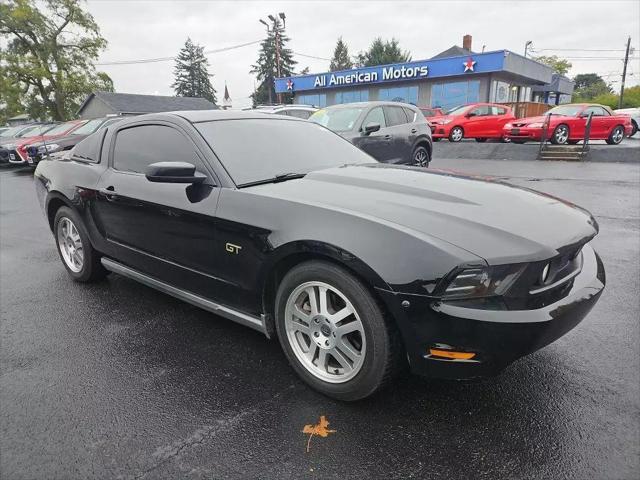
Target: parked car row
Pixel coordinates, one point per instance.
(567, 124)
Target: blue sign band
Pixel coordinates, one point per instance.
(441, 67)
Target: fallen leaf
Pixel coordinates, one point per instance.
(320, 429)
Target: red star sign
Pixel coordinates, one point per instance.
(469, 64)
(290, 84)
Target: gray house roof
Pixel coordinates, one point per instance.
(133, 103)
(454, 51)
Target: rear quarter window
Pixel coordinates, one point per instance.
(88, 150)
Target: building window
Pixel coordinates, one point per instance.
(352, 96)
(317, 100)
(450, 95)
(399, 94)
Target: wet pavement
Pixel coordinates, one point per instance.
(116, 380)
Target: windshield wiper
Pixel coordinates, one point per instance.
(280, 177)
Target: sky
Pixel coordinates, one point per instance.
(146, 29)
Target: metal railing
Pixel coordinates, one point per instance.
(587, 135)
(545, 131)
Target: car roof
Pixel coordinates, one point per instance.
(195, 116)
(372, 104)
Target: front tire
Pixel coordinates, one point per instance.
(76, 252)
(420, 157)
(616, 136)
(560, 135)
(456, 134)
(333, 332)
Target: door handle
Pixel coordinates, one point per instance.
(109, 193)
(414, 130)
(387, 137)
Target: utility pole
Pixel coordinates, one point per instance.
(624, 72)
(277, 46)
(526, 47)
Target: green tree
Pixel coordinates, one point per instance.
(49, 51)
(192, 78)
(341, 59)
(588, 86)
(382, 53)
(559, 65)
(10, 97)
(266, 67)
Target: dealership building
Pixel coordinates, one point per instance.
(453, 77)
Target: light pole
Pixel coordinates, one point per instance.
(276, 31)
(526, 47)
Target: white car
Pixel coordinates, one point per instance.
(292, 110)
(634, 113)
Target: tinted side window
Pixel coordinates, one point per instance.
(411, 115)
(304, 114)
(137, 147)
(498, 110)
(282, 112)
(375, 116)
(88, 150)
(395, 116)
(480, 111)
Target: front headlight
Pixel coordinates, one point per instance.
(48, 148)
(445, 122)
(482, 281)
(508, 125)
(535, 125)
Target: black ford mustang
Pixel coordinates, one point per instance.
(358, 267)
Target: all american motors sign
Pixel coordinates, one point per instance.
(359, 76)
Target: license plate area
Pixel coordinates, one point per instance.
(515, 131)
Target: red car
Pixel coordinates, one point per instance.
(431, 112)
(477, 120)
(18, 149)
(567, 125)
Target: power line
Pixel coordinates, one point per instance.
(580, 49)
(168, 59)
(312, 56)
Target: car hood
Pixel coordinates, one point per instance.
(494, 220)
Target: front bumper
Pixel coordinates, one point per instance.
(523, 134)
(496, 337)
(440, 131)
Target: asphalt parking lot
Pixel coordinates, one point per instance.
(115, 380)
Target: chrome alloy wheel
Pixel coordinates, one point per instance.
(562, 134)
(617, 135)
(70, 245)
(325, 332)
(456, 134)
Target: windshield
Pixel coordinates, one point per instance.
(252, 150)
(11, 132)
(458, 110)
(89, 127)
(61, 128)
(566, 110)
(337, 119)
(35, 131)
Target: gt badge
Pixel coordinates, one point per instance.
(231, 248)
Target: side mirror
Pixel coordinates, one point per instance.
(173, 172)
(470, 114)
(371, 127)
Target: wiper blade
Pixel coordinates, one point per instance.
(280, 177)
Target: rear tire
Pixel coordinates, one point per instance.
(420, 157)
(616, 136)
(635, 129)
(347, 357)
(74, 247)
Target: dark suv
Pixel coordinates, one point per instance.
(391, 132)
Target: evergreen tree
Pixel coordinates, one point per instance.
(382, 53)
(192, 79)
(341, 59)
(266, 68)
